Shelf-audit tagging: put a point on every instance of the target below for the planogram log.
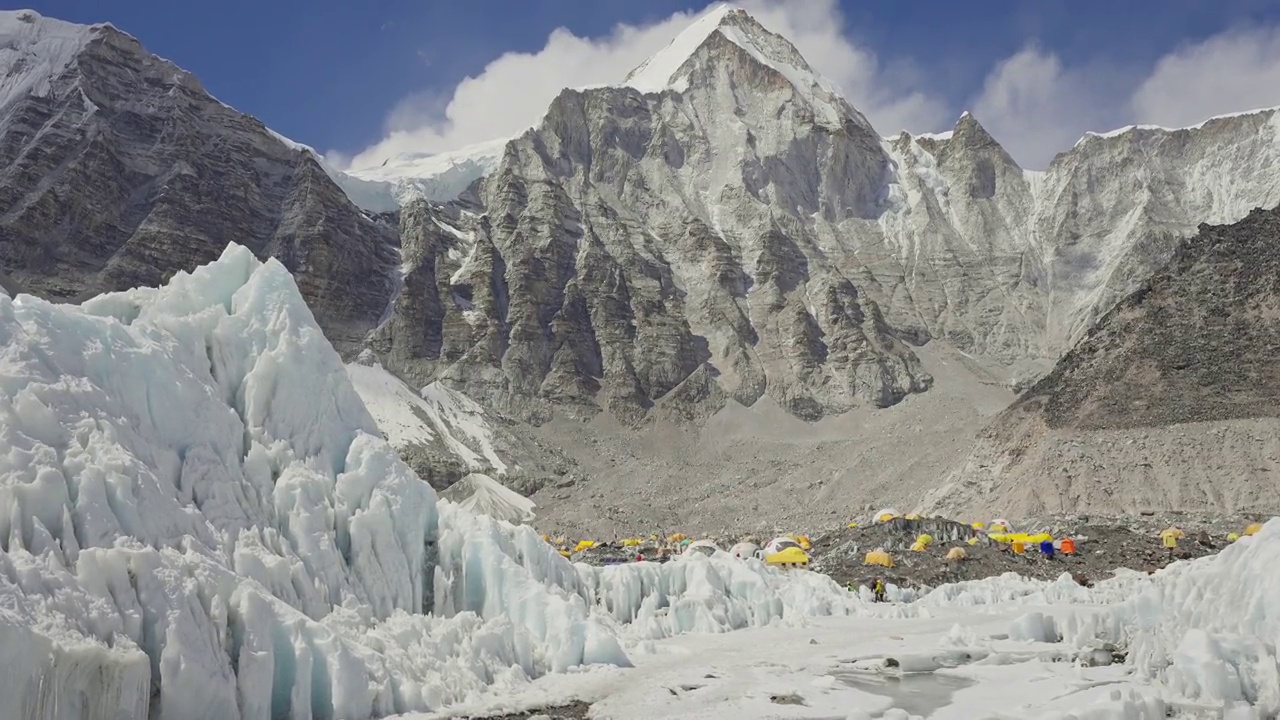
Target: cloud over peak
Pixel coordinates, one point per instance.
(1033, 102)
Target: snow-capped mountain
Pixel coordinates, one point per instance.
(722, 224)
(117, 169)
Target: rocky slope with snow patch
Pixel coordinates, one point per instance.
(445, 436)
(1171, 401)
(118, 169)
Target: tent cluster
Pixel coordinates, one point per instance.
(787, 552)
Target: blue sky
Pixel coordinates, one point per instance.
(336, 74)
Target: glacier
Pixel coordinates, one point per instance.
(200, 519)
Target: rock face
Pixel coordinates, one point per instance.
(1174, 386)
(118, 169)
(724, 226)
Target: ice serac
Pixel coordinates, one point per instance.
(669, 250)
(118, 168)
(198, 519)
(1174, 385)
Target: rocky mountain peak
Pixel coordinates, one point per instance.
(728, 41)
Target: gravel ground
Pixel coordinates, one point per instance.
(572, 711)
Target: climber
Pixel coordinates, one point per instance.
(1169, 538)
(878, 590)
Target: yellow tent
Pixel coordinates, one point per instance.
(973, 541)
(1253, 529)
(918, 547)
(913, 516)
(878, 557)
(632, 542)
(792, 556)
(956, 553)
(926, 539)
(1001, 537)
(979, 526)
(852, 525)
(1039, 538)
(1232, 537)
(677, 538)
(564, 553)
(805, 544)
(584, 545)
(1001, 525)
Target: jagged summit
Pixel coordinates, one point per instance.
(672, 67)
(659, 71)
(34, 50)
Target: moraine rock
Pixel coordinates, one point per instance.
(1185, 366)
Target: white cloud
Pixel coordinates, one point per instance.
(514, 90)
(1031, 102)
(1036, 107)
(1230, 72)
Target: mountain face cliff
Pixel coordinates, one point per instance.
(720, 227)
(1175, 385)
(723, 225)
(118, 169)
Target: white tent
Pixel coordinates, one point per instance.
(779, 544)
(885, 515)
(744, 550)
(705, 547)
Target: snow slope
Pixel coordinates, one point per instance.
(34, 50)
(198, 519)
(432, 176)
(480, 494)
(437, 415)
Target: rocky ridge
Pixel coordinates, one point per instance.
(1172, 400)
(118, 169)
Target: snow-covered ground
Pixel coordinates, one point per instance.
(200, 519)
(1200, 640)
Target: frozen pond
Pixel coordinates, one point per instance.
(917, 693)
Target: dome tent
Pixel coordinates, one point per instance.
(779, 544)
(744, 550)
(703, 547)
(878, 557)
(788, 558)
(886, 515)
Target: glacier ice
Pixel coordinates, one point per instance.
(199, 519)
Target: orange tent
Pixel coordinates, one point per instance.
(1068, 546)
